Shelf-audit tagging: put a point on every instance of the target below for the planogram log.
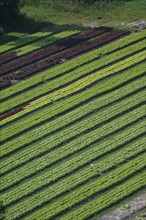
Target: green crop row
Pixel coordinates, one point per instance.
(67, 133)
(76, 62)
(36, 165)
(87, 191)
(81, 193)
(84, 82)
(35, 41)
(6, 104)
(104, 60)
(79, 146)
(105, 200)
(9, 37)
(34, 134)
(24, 40)
(51, 111)
(45, 42)
(99, 149)
(77, 86)
(68, 78)
(57, 108)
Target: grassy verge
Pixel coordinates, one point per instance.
(59, 13)
(113, 14)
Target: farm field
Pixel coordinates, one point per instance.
(72, 118)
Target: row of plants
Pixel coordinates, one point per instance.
(34, 56)
(72, 76)
(42, 130)
(34, 135)
(4, 83)
(86, 81)
(101, 166)
(33, 167)
(44, 41)
(80, 164)
(9, 37)
(51, 49)
(24, 40)
(130, 49)
(75, 122)
(63, 68)
(104, 201)
(78, 85)
(60, 108)
(78, 38)
(7, 57)
(46, 63)
(53, 38)
(77, 146)
(6, 80)
(61, 57)
(13, 112)
(31, 69)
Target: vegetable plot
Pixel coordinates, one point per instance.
(73, 126)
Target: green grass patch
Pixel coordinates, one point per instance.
(60, 12)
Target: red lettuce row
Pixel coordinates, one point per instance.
(12, 112)
(4, 83)
(7, 57)
(60, 46)
(29, 70)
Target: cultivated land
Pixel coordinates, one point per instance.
(72, 117)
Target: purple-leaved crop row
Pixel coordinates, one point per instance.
(7, 57)
(62, 45)
(31, 69)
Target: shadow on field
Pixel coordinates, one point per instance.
(25, 26)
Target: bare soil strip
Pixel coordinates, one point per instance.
(127, 210)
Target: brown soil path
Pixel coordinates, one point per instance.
(127, 210)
